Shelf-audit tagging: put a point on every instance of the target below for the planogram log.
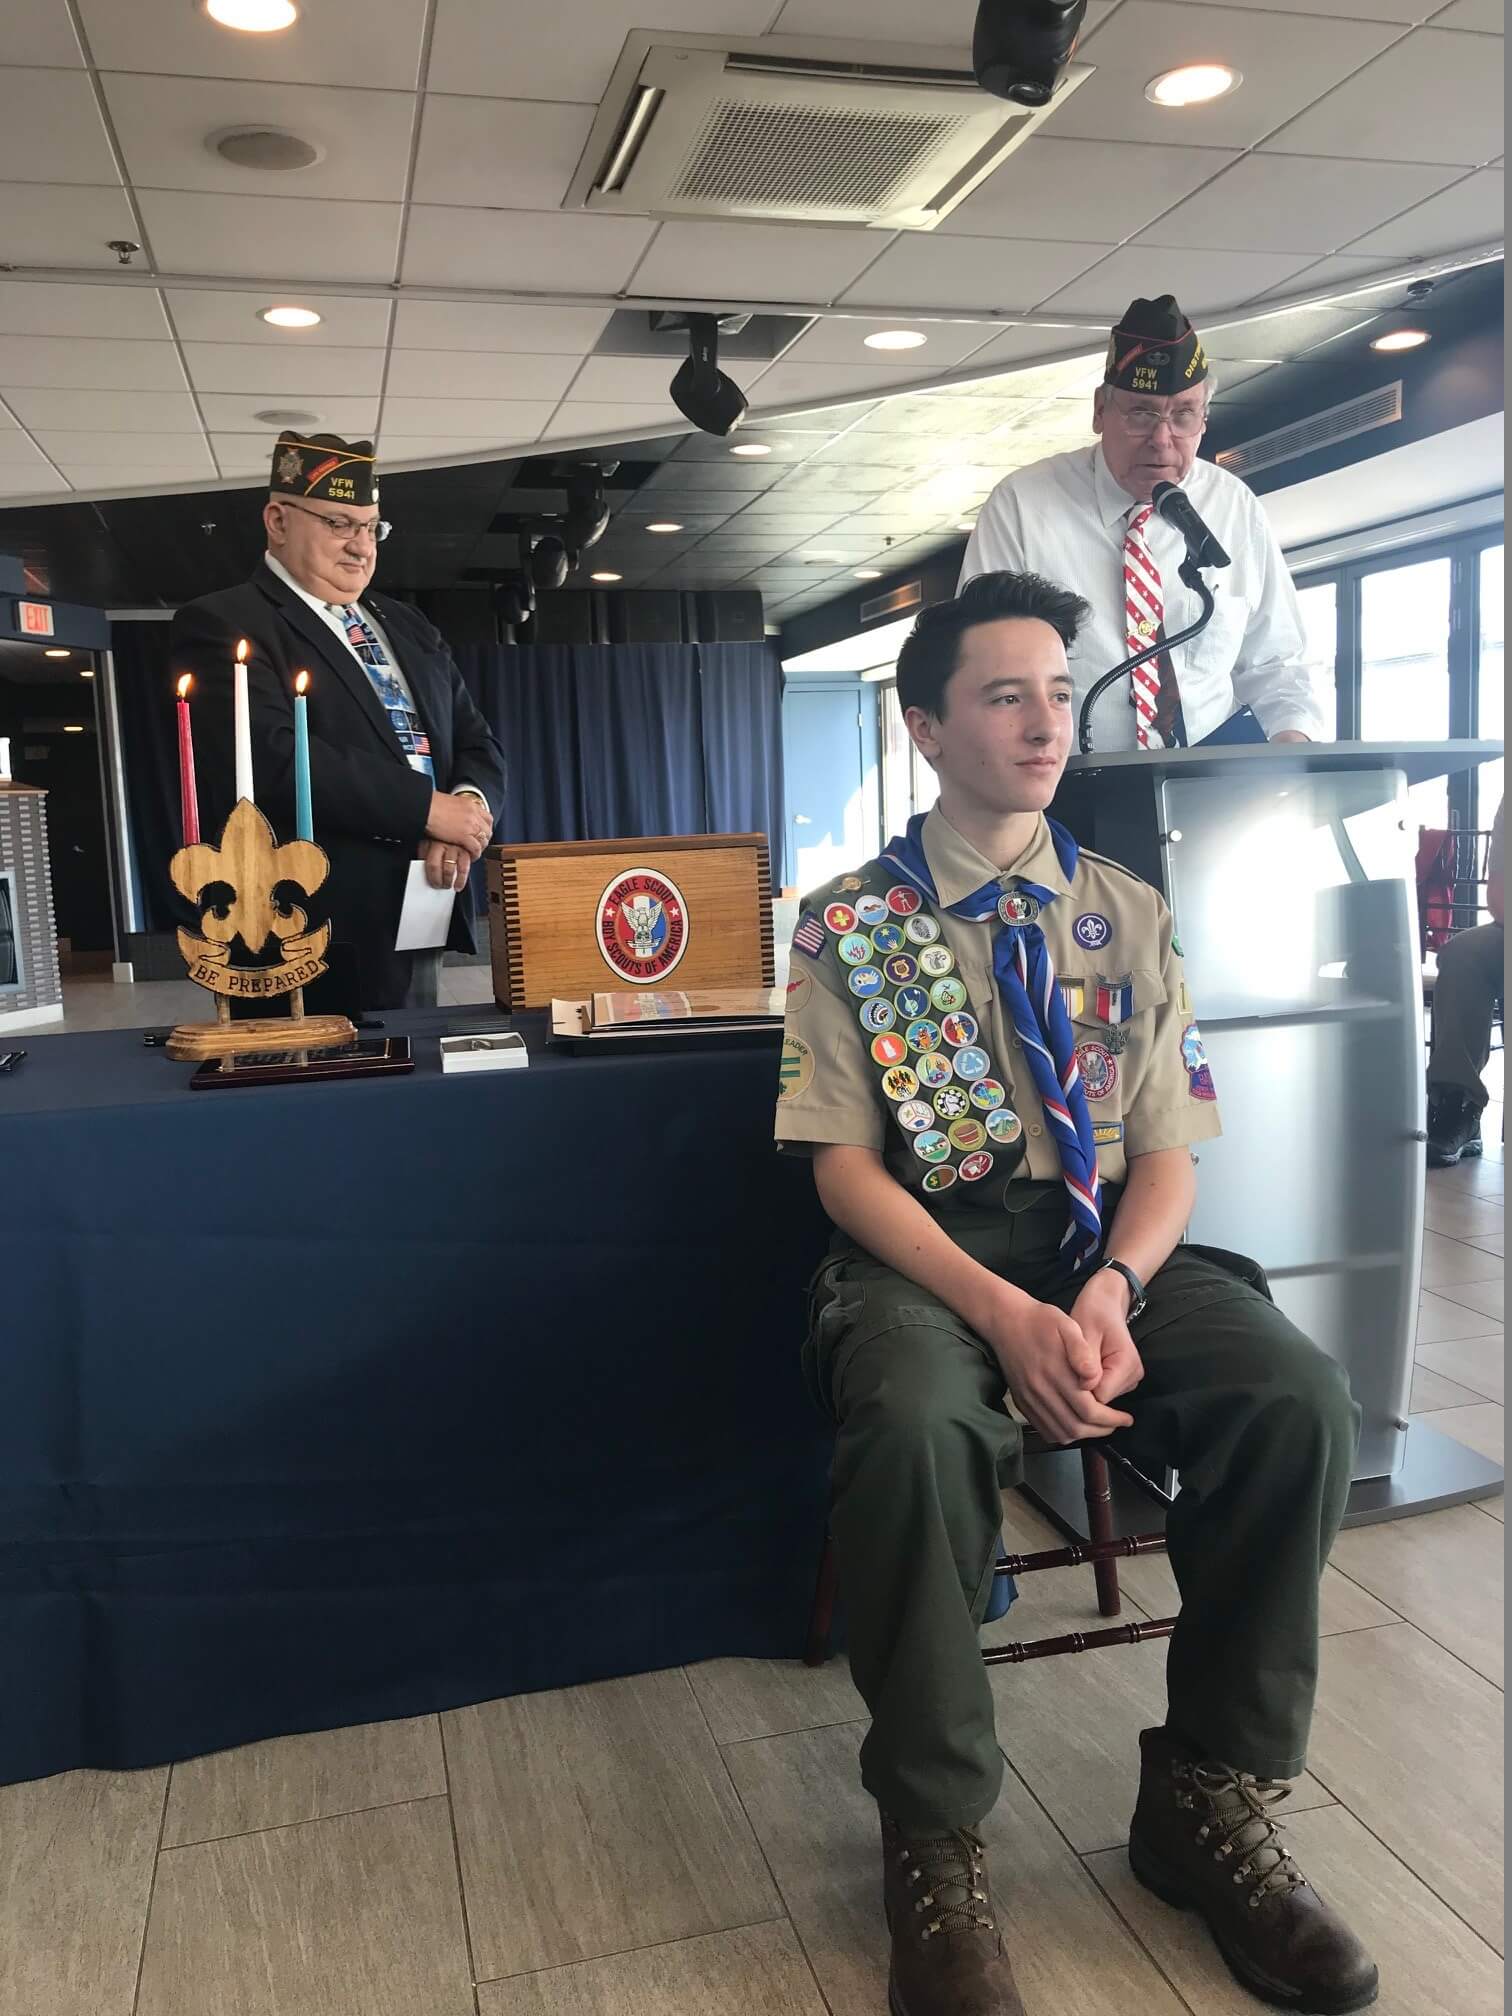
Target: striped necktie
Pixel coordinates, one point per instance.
(1154, 691)
(409, 729)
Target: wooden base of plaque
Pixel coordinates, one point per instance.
(208, 1042)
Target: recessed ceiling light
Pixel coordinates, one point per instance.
(896, 339)
(751, 448)
(1402, 339)
(87, 672)
(57, 653)
(665, 525)
(286, 416)
(290, 317)
(868, 573)
(821, 558)
(72, 728)
(608, 577)
(265, 150)
(1194, 84)
(253, 17)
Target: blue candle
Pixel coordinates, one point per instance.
(304, 807)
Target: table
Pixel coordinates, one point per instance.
(340, 1402)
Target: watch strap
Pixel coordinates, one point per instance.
(1138, 1297)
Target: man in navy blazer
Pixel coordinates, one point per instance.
(402, 763)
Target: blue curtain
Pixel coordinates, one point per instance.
(742, 740)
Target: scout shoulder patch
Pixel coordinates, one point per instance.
(795, 1073)
(809, 937)
(1194, 1057)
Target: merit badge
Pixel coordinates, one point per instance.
(888, 937)
(901, 970)
(915, 1115)
(972, 1063)
(855, 948)
(1099, 1073)
(1074, 994)
(904, 902)
(798, 992)
(870, 910)
(931, 1147)
(848, 885)
(934, 1069)
(923, 1035)
(643, 927)
(1018, 908)
(795, 1073)
(1107, 1133)
(864, 981)
(968, 1135)
(900, 1083)
(987, 1095)
(1194, 1056)
(975, 1167)
(923, 930)
(1114, 1002)
(912, 1002)
(878, 1015)
(1004, 1127)
(1092, 932)
(809, 937)
(939, 1179)
(840, 918)
(948, 995)
(889, 1049)
(951, 1103)
(937, 961)
(959, 1029)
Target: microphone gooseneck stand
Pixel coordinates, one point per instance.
(1191, 574)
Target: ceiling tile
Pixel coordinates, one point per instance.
(206, 315)
(51, 130)
(1288, 332)
(1473, 212)
(18, 450)
(61, 226)
(566, 50)
(965, 409)
(456, 325)
(296, 238)
(823, 479)
(756, 262)
(474, 374)
(244, 454)
(148, 453)
(1229, 377)
(841, 339)
(91, 363)
(1023, 341)
(784, 385)
(606, 423)
(236, 413)
(794, 524)
(1084, 190)
(522, 249)
(326, 45)
(1201, 281)
(1483, 17)
(949, 23)
(483, 422)
(721, 479)
(488, 152)
(1434, 97)
(788, 445)
(1284, 70)
(644, 380)
(27, 480)
(1294, 203)
(396, 448)
(32, 308)
(1340, 272)
(42, 33)
(112, 412)
(972, 273)
(258, 368)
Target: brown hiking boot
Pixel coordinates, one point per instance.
(947, 1952)
(1203, 1839)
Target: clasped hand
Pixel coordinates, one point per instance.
(1065, 1371)
(457, 831)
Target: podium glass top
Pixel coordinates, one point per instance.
(1419, 761)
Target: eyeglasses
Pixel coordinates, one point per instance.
(345, 528)
(1148, 420)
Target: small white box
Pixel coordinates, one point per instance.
(503, 1051)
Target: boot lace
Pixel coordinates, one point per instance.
(948, 1873)
(1238, 1823)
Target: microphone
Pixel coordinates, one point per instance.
(1178, 511)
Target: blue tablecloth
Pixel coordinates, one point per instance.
(339, 1402)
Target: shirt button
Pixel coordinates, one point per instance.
(1036, 1130)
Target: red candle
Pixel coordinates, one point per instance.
(188, 797)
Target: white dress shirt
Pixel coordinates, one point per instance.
(330, 614)
(1066, 518)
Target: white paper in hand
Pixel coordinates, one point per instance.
(425, 920)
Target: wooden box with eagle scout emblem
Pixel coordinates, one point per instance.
(584, 917)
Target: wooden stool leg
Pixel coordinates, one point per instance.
(822, 1616)
(1099, 1493)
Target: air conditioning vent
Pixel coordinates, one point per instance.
(1319, 430)
(910, 596)
(703, 129)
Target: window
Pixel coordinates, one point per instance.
(1490, 720)
(1404, 667)
(909, 785)
(1320, 624)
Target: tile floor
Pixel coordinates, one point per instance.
(695, 1843)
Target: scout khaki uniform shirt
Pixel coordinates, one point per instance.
(1145, 1072)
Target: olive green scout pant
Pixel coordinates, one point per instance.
(1256, 1419)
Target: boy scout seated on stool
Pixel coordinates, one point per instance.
(993, 1058)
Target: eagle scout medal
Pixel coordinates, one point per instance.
(878, 1015)
(1004, 1127)
(987, 1095)
(975, 1167)
(900, 1083)
(1099, 1072)
(1018, 907)
(888, 938)
(889, 1048)
(865, 981)
(934, 1068)
(1092, 931)
(923, 930)
(931, 1147)
(948, 995)
(795, 1073)
(972, 1063)
(912, 1002)
(923, 1035)
(1194, 1056)
(1114, 1000)
(904, 902)
(871, 910)
(915, 1115)
(959, 1029)
(855, 949)
(840, 918)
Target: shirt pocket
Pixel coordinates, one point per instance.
(1216, 651)
(1111, 1054)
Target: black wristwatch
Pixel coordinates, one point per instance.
(1138, 1299)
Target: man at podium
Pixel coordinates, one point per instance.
(1088, 517)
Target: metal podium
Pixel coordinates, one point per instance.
(1289, 869)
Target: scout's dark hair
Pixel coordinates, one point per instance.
(933, 650)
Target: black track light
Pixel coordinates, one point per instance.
(701, 391)
(587, 515)
(549, 565)
(1022, 46)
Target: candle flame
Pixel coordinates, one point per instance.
(301, 683)
(243, 652)
(184, 685)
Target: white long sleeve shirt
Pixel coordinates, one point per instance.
(1066, 518)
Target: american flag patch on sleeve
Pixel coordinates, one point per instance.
(809, 937)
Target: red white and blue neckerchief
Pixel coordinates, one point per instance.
(1025, 973)
(409, 730)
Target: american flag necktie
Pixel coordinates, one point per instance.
(409, 729)
(1144, 612)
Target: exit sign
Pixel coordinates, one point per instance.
(34, 619)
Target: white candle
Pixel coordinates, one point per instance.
(243, 725)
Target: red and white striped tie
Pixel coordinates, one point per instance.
(1144, 612)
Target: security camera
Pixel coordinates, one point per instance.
(1022, 46)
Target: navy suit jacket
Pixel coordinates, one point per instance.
(370, 806)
